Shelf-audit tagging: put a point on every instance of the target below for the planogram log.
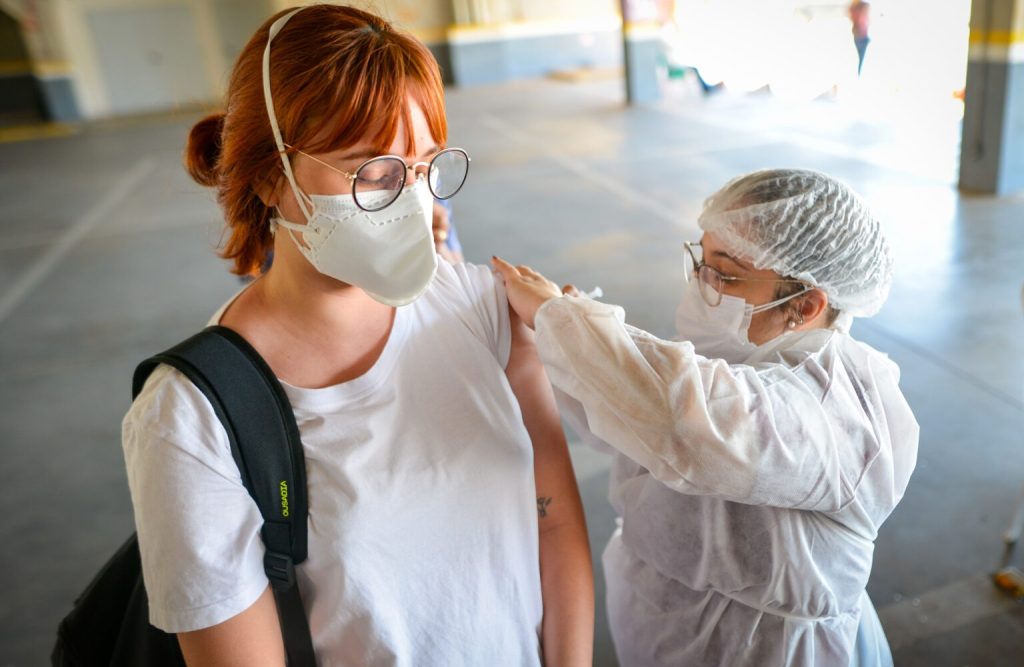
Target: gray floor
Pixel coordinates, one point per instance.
(106, 255)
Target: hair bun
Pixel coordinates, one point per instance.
(203, 151)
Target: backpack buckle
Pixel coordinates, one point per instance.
(280, 570)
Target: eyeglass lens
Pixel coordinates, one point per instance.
(448, 172)
(709, 280)
(379, 181)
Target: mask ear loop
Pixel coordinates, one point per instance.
(778, 302)
(300, 196)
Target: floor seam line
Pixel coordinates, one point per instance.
(40, 269)
(925, 353)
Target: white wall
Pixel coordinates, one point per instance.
(150, 57)
(127, 56)
(130, 56)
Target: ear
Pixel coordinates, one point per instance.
(810, 306)
(268, 189)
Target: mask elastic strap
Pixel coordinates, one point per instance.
(275, 28)
(291, 228)
(778, 302)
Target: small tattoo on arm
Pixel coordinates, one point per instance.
(542, 506)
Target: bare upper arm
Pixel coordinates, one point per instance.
(250, 639)
(557, 494)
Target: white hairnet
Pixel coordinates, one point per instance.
(805, 225)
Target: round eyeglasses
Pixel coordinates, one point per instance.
(712, 282)
(377, 182)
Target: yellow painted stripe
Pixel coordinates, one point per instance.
(15, 67)
(996, 37)
(472, 29)
(529, 28)
(39, 131)
(429, 35)
(52, 67)
(642, 29)
(37, 67)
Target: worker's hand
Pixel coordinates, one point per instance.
(571, 290)
(527, 290)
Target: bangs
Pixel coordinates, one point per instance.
(355, 97)
(339, 76)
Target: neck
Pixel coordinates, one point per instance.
(310, 305)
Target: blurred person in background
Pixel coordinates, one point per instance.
(859, 12)
(446, 239)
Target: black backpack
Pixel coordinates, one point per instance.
(109, 624)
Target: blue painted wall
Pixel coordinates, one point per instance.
(497, 60)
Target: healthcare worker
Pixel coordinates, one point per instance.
(759, 455)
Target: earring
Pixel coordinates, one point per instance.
(792, 324)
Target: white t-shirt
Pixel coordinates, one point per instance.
(423, 543)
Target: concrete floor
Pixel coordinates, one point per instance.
(106, 255)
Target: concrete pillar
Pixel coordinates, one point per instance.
(47, 69)
(640, 50)
(992, 150)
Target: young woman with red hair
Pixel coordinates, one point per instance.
(442, 531)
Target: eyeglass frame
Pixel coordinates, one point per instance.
(697, 266)
(353, 176)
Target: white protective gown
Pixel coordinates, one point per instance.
(750, 494)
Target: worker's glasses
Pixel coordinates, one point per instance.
(711, 281)
(377, 182)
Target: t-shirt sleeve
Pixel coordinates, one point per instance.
(488, 306)
(198, 527)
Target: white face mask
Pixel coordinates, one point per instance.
(719, 332)
(389, 253)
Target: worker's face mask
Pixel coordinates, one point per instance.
(717, 332)
(390, 253)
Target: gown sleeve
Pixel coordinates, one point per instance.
(771, 435)
(575, 417)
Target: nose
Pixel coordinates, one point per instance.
(414, 171)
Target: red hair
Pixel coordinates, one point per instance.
(338, 76)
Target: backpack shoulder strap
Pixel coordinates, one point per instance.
(260, 424)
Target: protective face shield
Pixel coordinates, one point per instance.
(389, 253)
